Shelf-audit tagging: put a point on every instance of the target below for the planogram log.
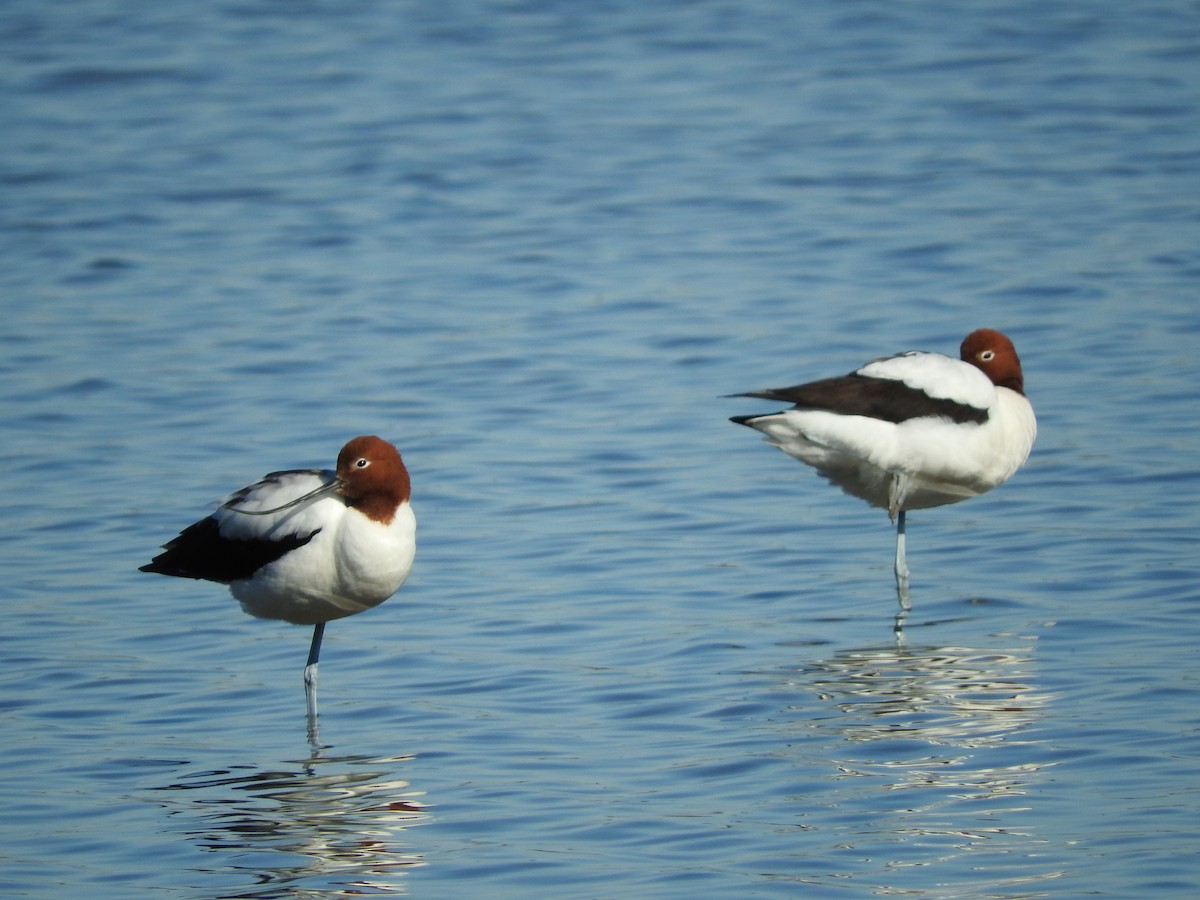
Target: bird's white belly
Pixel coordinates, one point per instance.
(944, 462)
(340, 572)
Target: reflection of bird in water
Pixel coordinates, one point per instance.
(932, 753)
(946, 695)
(307, 545)
(911, 431)
(333, 824)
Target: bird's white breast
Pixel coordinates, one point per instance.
(945, 461)
(351, 564)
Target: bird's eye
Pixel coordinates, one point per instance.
(362, 463)
(987, 355)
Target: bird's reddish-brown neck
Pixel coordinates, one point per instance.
(378, 489)
(380, 505)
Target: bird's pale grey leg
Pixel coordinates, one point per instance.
(901, 565)
(310, 671)
(896, 498)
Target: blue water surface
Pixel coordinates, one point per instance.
(536, 244)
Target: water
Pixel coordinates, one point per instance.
(641, 654)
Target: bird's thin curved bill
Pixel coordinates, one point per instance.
(311, 495)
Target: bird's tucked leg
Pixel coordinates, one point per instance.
(897, 494)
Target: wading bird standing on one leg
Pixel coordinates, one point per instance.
(911, 431)
(307, 545)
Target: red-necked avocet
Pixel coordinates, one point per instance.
(307, 545)
(911, 431)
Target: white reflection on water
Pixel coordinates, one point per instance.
(942, 695)
(945, 731)
(330, 827)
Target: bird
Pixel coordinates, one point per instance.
(307, 546)
(910, 431)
